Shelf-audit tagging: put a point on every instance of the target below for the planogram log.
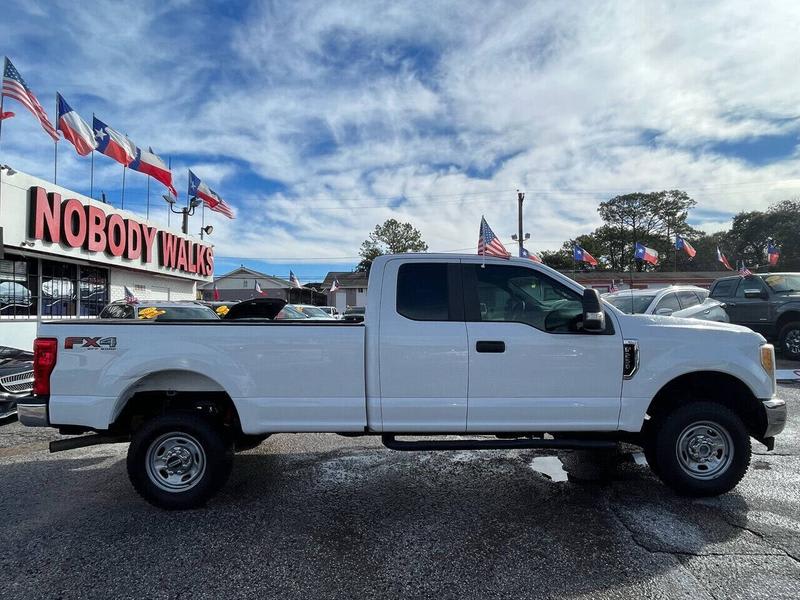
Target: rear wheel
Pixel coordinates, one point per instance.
(180, 460)
(701, 449)
(789, 340)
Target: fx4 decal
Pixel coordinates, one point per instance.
(90, 343)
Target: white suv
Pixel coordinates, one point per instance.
(658, 301)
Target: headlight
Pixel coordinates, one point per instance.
(768, 358)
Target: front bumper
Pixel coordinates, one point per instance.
(32, 411)
(775, 411)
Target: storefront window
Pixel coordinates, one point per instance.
(18, 287)
(94, 290)
(59, 286)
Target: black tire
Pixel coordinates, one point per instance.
(650, 454)
(702, 449)
(789, 340)
(198, 450)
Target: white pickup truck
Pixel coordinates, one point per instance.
(501, 353)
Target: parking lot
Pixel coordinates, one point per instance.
(324, 516)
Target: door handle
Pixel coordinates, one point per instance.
(490, 346)
(730, 304)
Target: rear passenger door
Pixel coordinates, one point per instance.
(667, 305)
(423, 357)
(751, 312)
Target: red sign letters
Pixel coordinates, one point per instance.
(76, 225)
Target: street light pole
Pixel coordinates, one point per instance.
(185, 211)
(520, 198)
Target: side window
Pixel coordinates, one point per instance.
(724, 288)
(117, 311)
(667, 305)
(688, 298)
(748, 283)
(520, 295)
(422, 291)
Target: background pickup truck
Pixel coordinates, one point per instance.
(768, 303)
(449, 345)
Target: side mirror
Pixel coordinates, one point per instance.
(594, 318)
(755, 293)
(664, 312)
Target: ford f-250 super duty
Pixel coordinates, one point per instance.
(457, 345)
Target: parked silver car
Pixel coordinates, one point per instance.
(658, 301)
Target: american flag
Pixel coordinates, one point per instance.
(489, 244)
(130, 297)
(293, 280)
(744, 271)
(14, 87)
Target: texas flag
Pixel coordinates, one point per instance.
(113, 144)
(334, 286)
(149, 163)
(209, 197)
(75, 129)
(259, 290)
(581, 255)
(646, 254)
(682, 244)
(529, 255)
(723, 259)
(773, 253)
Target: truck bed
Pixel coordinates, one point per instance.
(281, 375)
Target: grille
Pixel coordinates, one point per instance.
(18, 382)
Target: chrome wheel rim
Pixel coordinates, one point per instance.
(704, 450)
(175, 462)
(792, 341)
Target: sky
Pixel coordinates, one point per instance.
(318, 120)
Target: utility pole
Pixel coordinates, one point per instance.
(520, 198)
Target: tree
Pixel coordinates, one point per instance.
(748, 236)
(393, 237)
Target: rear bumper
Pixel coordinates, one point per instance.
(775, 411)
(32, 411)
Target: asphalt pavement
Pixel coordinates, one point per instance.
(322, 516)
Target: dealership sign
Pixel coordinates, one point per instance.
(73, 224)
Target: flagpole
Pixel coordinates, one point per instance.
(2, 97)
(148, 197)
(169, 208)
(124, 169)
(55, 149)
(91, 176)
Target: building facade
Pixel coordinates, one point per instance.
(352, 289)
(240, 284)
(64, 255)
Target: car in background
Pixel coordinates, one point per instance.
(313, 312)
(768, 303)
(158, 310)
(219, 306)
(710, 310)
(16, 378)
(354, 314)
(332, 311)
(657, 301)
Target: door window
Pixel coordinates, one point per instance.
(748, 283)
(688, 298)
(667, 303)
(422, 292)
(724, 288)
(520, 295)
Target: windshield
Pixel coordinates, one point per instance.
(290, 313)
(177, 313)
(783, 283)
(628, 303)
(314, 312)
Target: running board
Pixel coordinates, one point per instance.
(521, 443)
(87, 440)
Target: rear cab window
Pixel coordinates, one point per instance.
(423, 291)
(724, 288)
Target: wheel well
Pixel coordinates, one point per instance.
(144, 405)
(711, 385)
(784, 319)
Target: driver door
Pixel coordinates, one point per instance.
(531, 368)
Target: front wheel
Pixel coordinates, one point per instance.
(702, 449)
(789, 340)
(178, 461)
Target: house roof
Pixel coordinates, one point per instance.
(346, 279)
(242, 270)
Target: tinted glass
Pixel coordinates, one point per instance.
(783, 283)
(668, 302)
(688, 298)
(748, 283)
(422, 292)
(59, 289)
(633, 305)
(724, 289)
(517, 294)
(93, 286)
(18, 286)
(117, 311)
